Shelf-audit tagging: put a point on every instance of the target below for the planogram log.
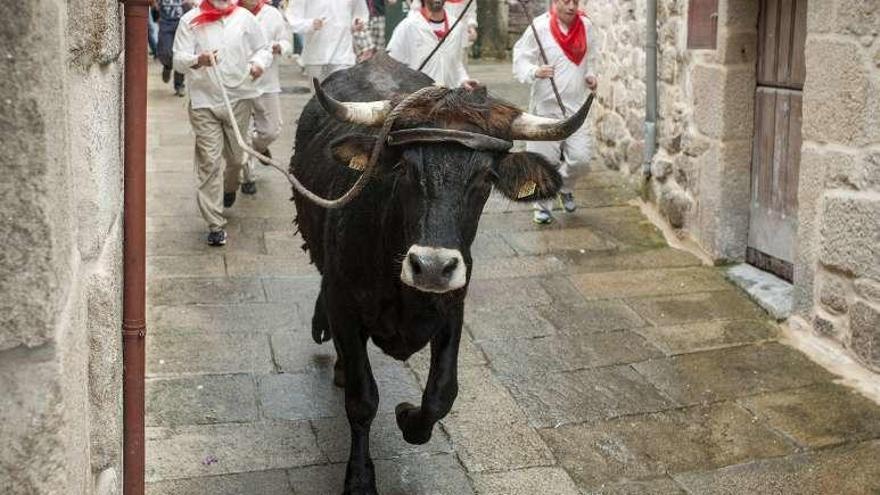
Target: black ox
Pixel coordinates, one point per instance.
(396, 261)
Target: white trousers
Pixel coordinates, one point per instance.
(265, 130)
(321, 72)
(218, 157)
(571, 157)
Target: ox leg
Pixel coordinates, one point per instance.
(320, 324)
(361, 403)
(417, 423)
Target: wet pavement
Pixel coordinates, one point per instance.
(596, 359)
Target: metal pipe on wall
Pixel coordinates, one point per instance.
(651, 84)
(134, 327)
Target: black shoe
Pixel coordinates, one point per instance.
(217, 238)
(228, 199)
(166, 74)
(180, 91)
(249, 188)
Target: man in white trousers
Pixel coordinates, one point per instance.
(219, 31)
(567, 35)
(417, 35)
(267, 108)
(326, 26)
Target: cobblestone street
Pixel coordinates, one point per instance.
(596, 359)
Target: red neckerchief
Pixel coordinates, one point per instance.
(258, 7)
(441, 33)
(209, 13)
(573, 43)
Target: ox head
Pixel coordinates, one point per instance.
(443, 150)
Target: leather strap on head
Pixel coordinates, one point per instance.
(472, 140)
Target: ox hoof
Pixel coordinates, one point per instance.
(406, 415)
(338, 374)
(360, 480)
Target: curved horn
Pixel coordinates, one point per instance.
(528, 127)
(370, 113)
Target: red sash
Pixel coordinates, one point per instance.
(441, 33)
(258, 7)
(209, 13)
(573, 43)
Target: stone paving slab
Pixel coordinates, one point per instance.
(818, 416)
(241, 318)
(553, 399)
(530, 481)
(411, 475)
(209, 450)
(688, 308)
(706, 336)
(204, 352)
(649, 446)
(852, 470)
(617, 285)
(201, 400)
(386, 441)
(489, 430)
(198, 266)
(524, 358)
(717, 375)
(261, 482)
(215, 290)
(659, 486)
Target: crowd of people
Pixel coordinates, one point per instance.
(239, 43)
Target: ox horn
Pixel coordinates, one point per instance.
(369, 113)
(528, 127)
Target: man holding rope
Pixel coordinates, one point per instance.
(219, 36)
(416, 38)
(565, 37)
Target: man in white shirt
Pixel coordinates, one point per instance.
(267, 108)
(327, 26)
(567, 36)
(454, 9)
(417, 35)
(219, 31)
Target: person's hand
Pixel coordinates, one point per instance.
(206, 59)
(276, 48)
(472, 34)
(358, 24)
(317, 24)
(545, 72)
(592, 83)
(256, 71)
(470, 84)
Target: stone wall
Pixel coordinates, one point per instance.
(700, 175)
(837, 271)
(60, 266)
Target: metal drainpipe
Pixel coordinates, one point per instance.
(651, 84)
(134, 327)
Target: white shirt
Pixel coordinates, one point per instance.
(239, 43)
(453, 10)
(332, 44)
(276, 30)
(570, 78)
(414, 39)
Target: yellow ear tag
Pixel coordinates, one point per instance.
(527, 189)
(358, 162)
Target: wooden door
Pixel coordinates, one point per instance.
(781, 72)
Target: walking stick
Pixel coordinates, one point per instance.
(440, 43)
(525, 8)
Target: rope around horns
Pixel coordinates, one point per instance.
(358, 186)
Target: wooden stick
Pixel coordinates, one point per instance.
(543, 54)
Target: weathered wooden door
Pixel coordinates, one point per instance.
(782, 30)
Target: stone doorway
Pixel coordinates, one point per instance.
(781, 72)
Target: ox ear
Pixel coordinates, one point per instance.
(527, 176)
(353, 150)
